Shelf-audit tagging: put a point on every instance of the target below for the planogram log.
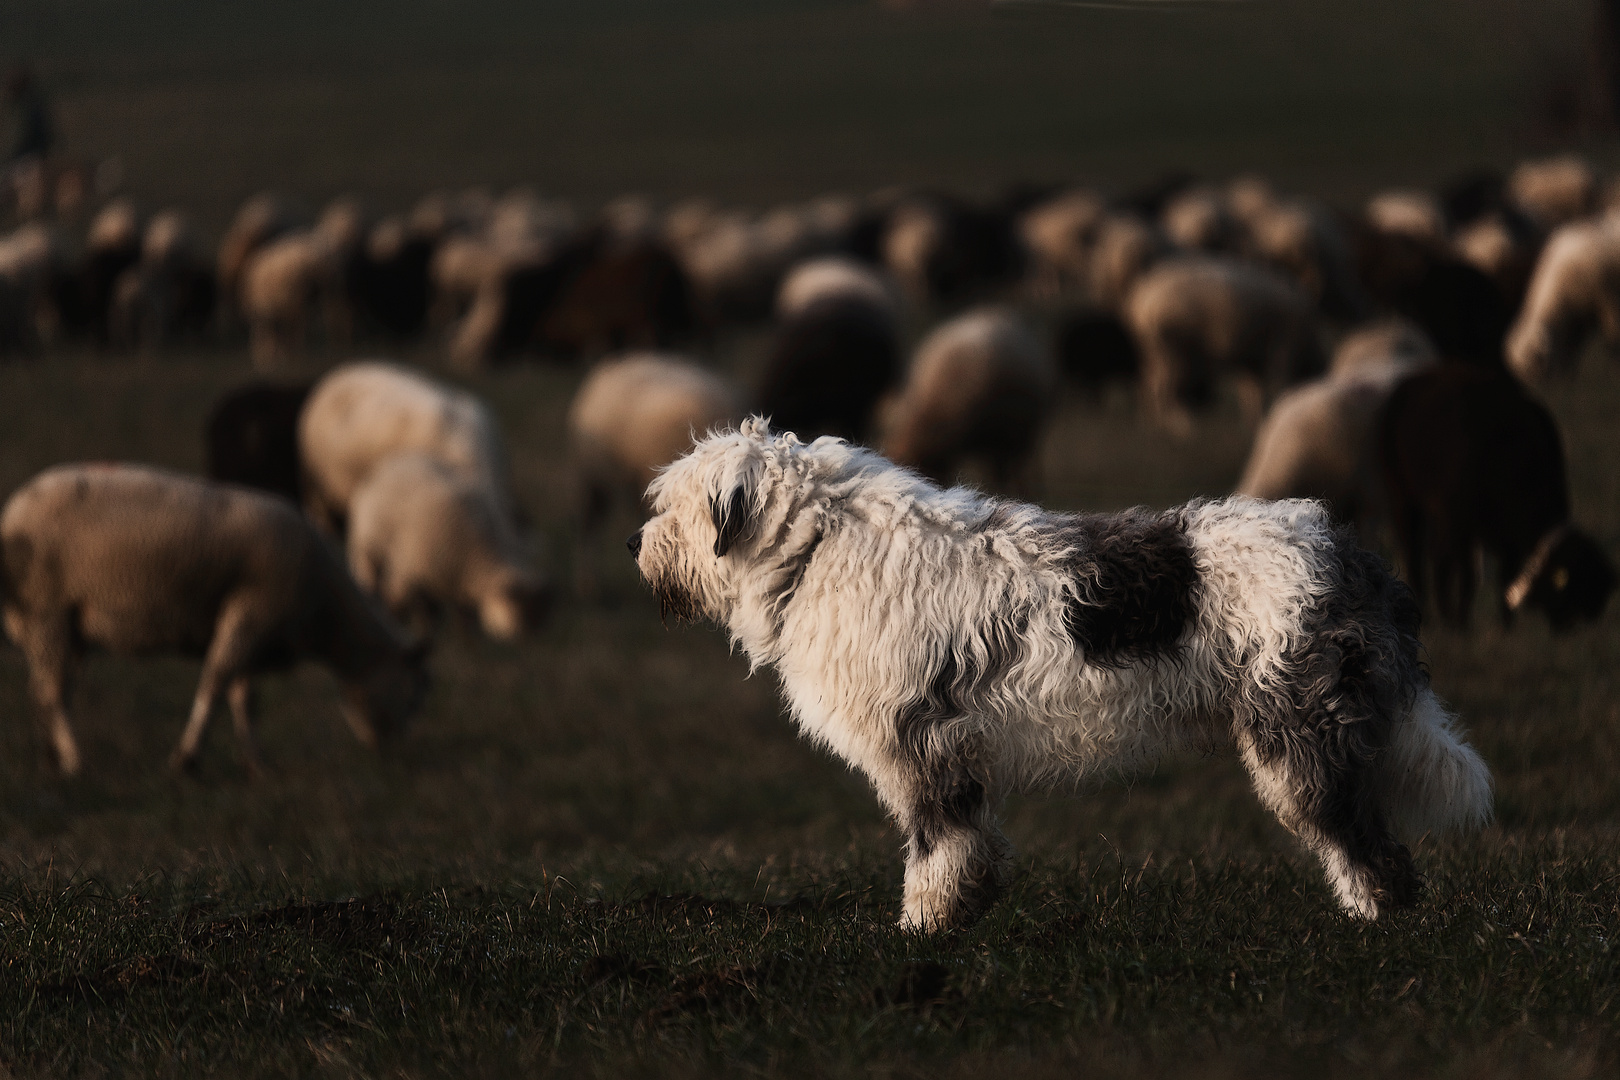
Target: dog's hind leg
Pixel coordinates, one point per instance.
(1331, 804)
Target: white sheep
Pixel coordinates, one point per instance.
(980, 386)
(1196, 318)
(633, 415)
(138, 560)
(282, 282)
(422, 539)
(1319, 439)
(1574, 290)
(361, 413)
(1406, 212)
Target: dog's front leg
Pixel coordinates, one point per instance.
(957, 860)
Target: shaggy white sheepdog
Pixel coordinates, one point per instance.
(953, 647)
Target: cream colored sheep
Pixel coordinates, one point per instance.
(364, 412)
(980, 387)
(1057, 234)
(1404, 212)
(260, 220)
(423, 539)
(283, 282)
(1320, 440)
(1199, 219)
(1122, 250)
(836, 276)
(1555, 191)
(1198, 318)
(138, 560)
(1574, 290)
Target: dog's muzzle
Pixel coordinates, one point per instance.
(634, 544)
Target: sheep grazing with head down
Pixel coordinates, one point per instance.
(422, 538)
(980, 387)
(1574, 291)
(1320, 440)
(633, 415)
(1198, 318)
(955, 648)
(836, 351)
(1554, 191)
(362, 415)
(138, 560)
(1473, 464)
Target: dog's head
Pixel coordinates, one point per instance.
(707, 509)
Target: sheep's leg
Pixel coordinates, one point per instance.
(234, 638)
(240, 695)
(48, 645)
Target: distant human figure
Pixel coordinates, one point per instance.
(31, 112)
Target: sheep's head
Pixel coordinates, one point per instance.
(378, 705)
(1570, 583)
(518, 603)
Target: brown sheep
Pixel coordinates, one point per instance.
(138, 560)
(1197, 318)
(980, 386)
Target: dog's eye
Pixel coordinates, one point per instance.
(1560, 578)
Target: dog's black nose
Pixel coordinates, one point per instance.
(634, 544)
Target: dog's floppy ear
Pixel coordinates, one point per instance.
(731, 519)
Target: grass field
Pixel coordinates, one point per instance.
(603, 851)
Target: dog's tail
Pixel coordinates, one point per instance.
(1429, 779)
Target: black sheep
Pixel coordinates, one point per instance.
(251, 437)
(1472, 462)
(830, 365)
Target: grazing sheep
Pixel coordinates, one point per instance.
(944, 249)
(1124, 247)
(1058, 234)
(635, 414)
(423, 539)
(980, 386)
(112, 244)
(1198, 219)
(29, 257)
(260, 220)
(139, 560)
(829, 365)
(1460, 308)
(1196, 318)
(1574, 291)
(168, 293)
(1409, 213)
(1095, 350)
(1320, 440)
(1554, 191)
(1305, 242)
(363, 412)
(251, 438)
(1473, 464)
(281, 285)
(829, 276)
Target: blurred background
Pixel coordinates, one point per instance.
(450, 171)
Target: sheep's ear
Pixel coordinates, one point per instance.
(730, 519)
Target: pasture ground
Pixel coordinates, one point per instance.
(603, 851)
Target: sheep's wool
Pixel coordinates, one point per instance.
(954, 647)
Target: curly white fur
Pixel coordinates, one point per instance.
(954, 647)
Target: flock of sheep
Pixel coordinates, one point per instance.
(1387, 358)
